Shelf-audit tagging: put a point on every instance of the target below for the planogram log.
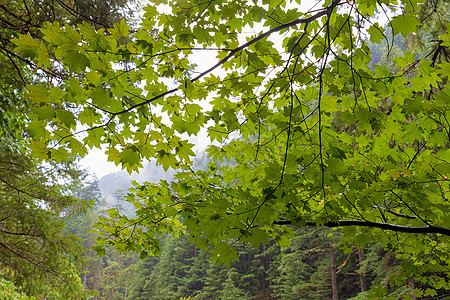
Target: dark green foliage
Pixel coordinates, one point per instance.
(230, 291)
(35, 251)
(177, 272)
(299, 271)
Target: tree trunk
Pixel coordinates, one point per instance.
(412, 286)
(362, 274)
(97, 283)
(86, 268)
(334, 285)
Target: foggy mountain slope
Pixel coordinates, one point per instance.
(116, 184)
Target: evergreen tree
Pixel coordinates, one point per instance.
(229, 289)
(140, 287)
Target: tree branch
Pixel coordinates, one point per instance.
(370, 224)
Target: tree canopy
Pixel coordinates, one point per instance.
(305, 130)
(37, 255)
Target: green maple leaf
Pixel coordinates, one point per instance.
(101, 97)
(257, 237)
(130, 158)
(76, 61)
(184, 151)
(66, 117)
(167, 160)
(376, 33)
(223, 253)
(38, 94)
(29, 47)
(120, 29)
(405, 24)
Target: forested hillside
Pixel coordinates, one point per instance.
(326, 136)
